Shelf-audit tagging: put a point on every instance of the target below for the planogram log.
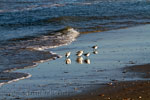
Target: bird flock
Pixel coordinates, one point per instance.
(79, 55)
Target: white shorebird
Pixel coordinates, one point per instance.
(68, 54)
(79, 53)
(79, 60)
(87, 61)
(95, 47)
(87, 54)
(68, 61)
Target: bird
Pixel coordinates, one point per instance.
(79, 53)
(95, 47)
(68, 61)
(79, 60)
(87, 61)
(68, 54)
(87, 54)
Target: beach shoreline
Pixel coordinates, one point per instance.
(136, 89)
(117, 90)
(74, 49)
(107, 71)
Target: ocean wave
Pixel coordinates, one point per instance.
(49, 40)
(83, 15)
(23, 53)
(8, 77)
(31, 7)
(79, 22)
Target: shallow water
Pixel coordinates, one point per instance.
(126, 47)
(28, 26)
(25, 53)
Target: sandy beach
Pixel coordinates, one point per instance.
(74, 49)
(137, 90)
(127, 90)
(116, 72)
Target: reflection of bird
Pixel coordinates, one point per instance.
(68, 61)
(95, 47)
(79, 60)
(95, 52)
(68, 54)
(87, 54)
(79, 53)
(87, 61)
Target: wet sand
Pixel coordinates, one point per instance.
(117, 50)
(127, 90)
(137, 90)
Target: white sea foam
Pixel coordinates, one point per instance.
(63, 37)
(27, 53)
(14, 80)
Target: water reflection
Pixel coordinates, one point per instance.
(79, 60)
(95, 52)
(87, 61)
(81, 56)
(68, 61)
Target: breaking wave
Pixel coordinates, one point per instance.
(20, 53)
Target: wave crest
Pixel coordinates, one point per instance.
(23, 53)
